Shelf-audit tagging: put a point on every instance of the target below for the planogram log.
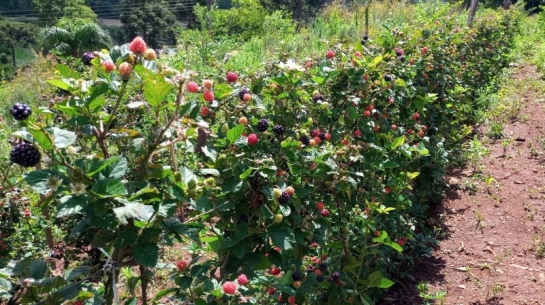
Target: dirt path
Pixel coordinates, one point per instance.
(494, 218)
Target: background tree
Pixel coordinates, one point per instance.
(15, 34)
(51, 11)
(151, 19)
(301, 9)
(74, 36)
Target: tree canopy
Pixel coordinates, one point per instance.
(151, 19)
(74, 36)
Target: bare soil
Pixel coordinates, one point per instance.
(493, 218)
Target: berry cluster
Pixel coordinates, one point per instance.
(20, 111)
(25, 154)
(278, 129)
(86, 58)
(284, 198)
(263, 125)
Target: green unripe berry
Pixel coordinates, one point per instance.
(192, 184)
(277, 193)
(278, 218)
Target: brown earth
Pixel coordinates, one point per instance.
(494, 215)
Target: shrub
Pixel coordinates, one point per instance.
(315, 199)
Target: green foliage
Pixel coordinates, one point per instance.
(15, 34)
(151, 19)
(49, 12)
(74, 37)
(244, 19)
(131, 152)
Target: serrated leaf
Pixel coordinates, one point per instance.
(147, 254)
(109, 187)
(413, 175)
(126, 238)
(235, 133)
(397, 142)
(38, 269)
(156, 90)
(133, 210)
(70, 205)
(38, 180)
(59, 83)
(375, 279)
(71, 274)
(62, 138)
(282, 236)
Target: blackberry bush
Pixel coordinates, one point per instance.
(263, 125)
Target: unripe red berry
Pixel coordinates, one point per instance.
(252, 139)
(231, 77)
(192, 87)
(208, 96)
(229, 287)
(125, 69)
(109, 66)
(138, 45)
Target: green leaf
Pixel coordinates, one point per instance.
(285, 288)
(59, 83)
(72, 205)
(38, 180)
(397, 142)
(132, 210)
(67, 72)
(165, 292)
(376, 280)
(5, 285)
(147, 254)
(62, 138)
(38, 269)
(156, 90)
(290, 144)
(103, 238)
(126, 238)
(187, 175)
(235, 133)
(282, 236)
(40, 137)
(413, 175)
(109, 187)
(71, 274)
(246, 173)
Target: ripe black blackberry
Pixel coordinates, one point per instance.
(325, 298)
(278, 129)
(20, 111)
(304, 140)
(336, 276)
(322, 136)
(87, 57)
(322, 266)
(399, 53)
(387, 77)
(296, 276)
(318, 97)
(243, 218)
(402, 58)
(320, 278)
(25, 155)
(242, 92)
(284, 198)
(263, 125)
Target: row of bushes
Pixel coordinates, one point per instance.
(310, 179)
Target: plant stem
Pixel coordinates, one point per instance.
(144, 281)
(45, 214)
